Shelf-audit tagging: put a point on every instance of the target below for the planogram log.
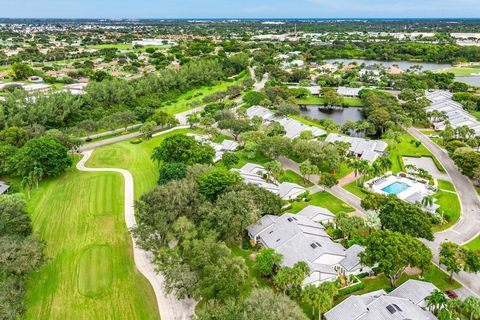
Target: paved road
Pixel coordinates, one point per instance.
(468, 226)
(170, 308)
(337, 191)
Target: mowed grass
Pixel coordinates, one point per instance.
(462, 71)
(319, 101)
(473, 244)
(356, 188)
(450, 208)
(135, 158)
(325, 200)
(407, 148)
(95, 271)
(293, 177)
(446, 185)
(90, 273)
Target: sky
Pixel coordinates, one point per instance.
(135, 9)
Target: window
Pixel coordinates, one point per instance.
(313, 245)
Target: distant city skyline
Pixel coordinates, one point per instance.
(150, 9)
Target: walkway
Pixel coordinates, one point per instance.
(468, 226)
(170, 308)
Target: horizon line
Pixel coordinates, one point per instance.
(247, 18)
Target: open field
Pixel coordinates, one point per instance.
(90, 273)
(348, 102)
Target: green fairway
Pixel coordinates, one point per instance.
(90, 273)
(463, 71)
(134, 158)
(318, 101)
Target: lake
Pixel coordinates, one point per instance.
(339, 116)
(471, 80)
(404, 65)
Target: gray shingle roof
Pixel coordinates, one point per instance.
(352, 260)
(317, 214)
(368, 150)
(3, 187)
(292, 127)
(401, 304)
(414, 290)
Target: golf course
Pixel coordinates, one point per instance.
(90, 273)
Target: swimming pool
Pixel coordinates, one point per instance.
(396, 188)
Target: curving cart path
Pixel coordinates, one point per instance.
(170, 308)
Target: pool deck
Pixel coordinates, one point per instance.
(413, 187)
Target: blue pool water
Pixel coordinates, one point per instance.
(396, 188)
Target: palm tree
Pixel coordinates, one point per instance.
(385, 163)
(327, 292)
(471, 306)
(435, 301)
(310, 296)
(427, 201)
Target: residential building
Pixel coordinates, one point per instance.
(405, 302)
(349, 92)
(3, 187)
(452, 111)
(254, 174)
(364, 149)
(293, 128)
(298, 238)
(220, 148)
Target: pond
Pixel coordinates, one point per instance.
(339, 116)
(404, 65)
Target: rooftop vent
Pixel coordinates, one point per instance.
(313, 245)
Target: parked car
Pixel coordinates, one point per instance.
(451, 294)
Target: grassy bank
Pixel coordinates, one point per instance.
(318, 101)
